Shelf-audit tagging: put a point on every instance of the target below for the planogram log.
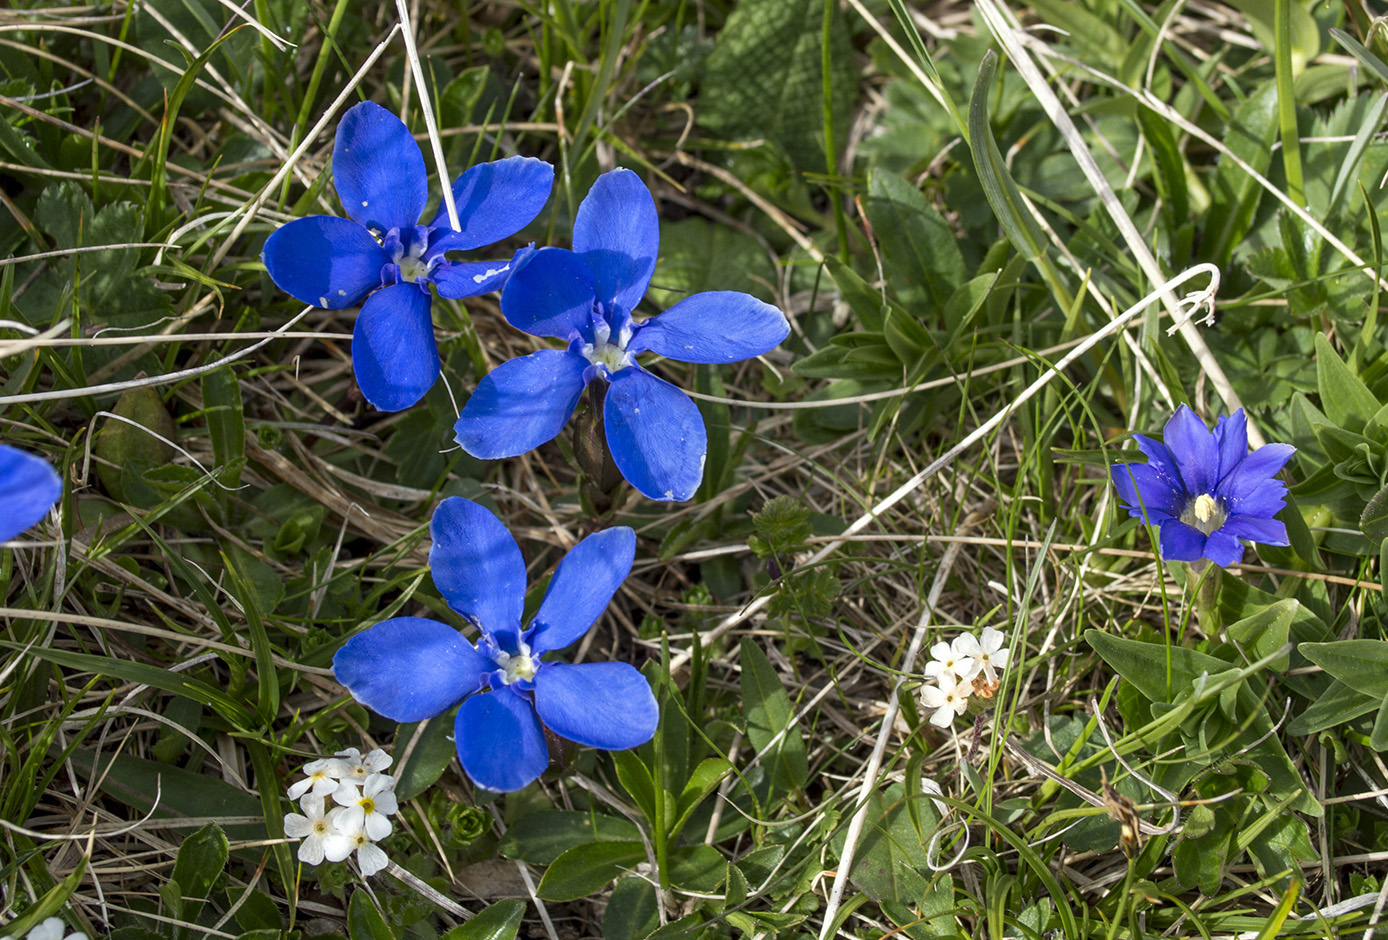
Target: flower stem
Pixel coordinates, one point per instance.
(599, 477)
(1206, 594)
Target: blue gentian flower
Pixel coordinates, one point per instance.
(410, 669)
(586, 297)
(28, 489)
(381, 254)
(1205, 490)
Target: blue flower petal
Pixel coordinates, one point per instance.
(1132, 480)
(1231, 439)
(495, 200)
(582, 587)
(324, 261)
(500, 742)
(28, 489)
(521, 404)
(656, 435)
(1180, 542)
(1256, 529)
(550, 293)
(409, 668)
(1223, 549)
(1193, 446)
(378, 169)
(1252, 488)
(1162, 463)
(458, 279)
(605, 705)
(394, 354)
(618, 234)
(713, 327)
(478, 568)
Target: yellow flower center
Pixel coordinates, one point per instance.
(1205, 513)
(368, 804)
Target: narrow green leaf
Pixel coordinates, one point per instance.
(1360, 664)
(998, 186)
(1344, 396)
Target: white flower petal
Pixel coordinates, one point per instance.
(311, 850)
(337, 846)
(943, 717)
(372, 859)
(1001, 657)
(297, 790)
(377, 826)
(932, 696)
(346, 794)
(51, 929)
(387, 803)
(965, 644)
(296, 826)
(377, 761)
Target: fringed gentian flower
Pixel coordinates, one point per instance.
(586, 297)
(1205, 490)
(410, 669)
(28, 489)
(381, 254)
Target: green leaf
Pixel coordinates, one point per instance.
(783, 526)
(175, 682)
(768, 711)
(890, 859)
(700, 868)
(1235, 194)
(540, 838)
(1344, 396)
(364, 919)
(201, 858)
(427, 759)
(50, 904)
(226, 425)
(764, 78)
(499, 921)
(1338, 705)
(1360, 664)
(1265, 632)
(584, 869)
(919, 250)
(635, 778)
(998, 187)
(703, 781)
(632, 912)
(1373, 521)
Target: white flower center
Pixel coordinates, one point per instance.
(412, 265)
(320, 827)
(1205, 513)
(603, 352)
(515, 668)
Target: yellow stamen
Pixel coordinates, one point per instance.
(1204, 507)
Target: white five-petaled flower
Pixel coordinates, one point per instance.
(348, 839)
(949, 699)
(313, 828)
(947, 658)
(357, 768)
(52, 929)
(986, 656)
(323, 776)
(368, 807)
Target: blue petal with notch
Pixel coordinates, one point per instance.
(495, 200)
(582, 587)
(409, 668)
(655, 434)
(324, 261)
(521, 404)
(394, 354)
(617, 233)
(604, 705)
(714, 327)
(500, 742)
(477, 567)
(378, 169)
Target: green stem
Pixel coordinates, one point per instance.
(1286, 100)
(659, 827)
(831, 162)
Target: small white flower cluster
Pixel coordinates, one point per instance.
(968, 666)
(364, 796)
(51, 929)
